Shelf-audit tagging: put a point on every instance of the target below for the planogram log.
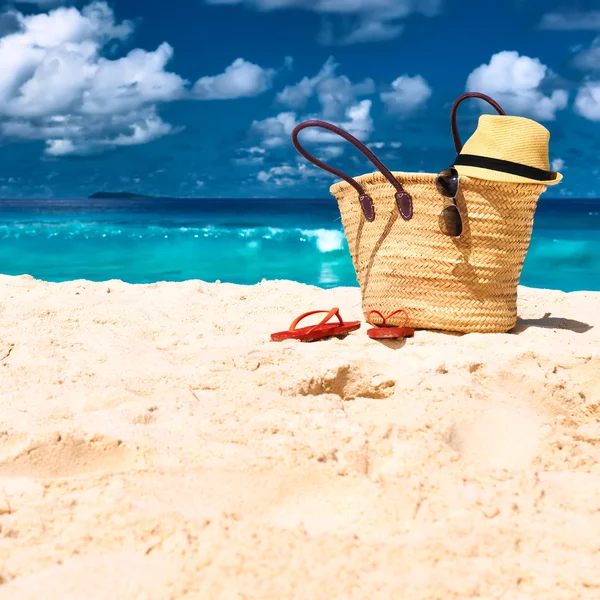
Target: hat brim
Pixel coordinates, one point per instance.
(493, 175)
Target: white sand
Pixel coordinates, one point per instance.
(155, 444)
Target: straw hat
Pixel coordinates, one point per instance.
(505, 148)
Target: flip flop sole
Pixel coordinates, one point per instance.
(390, 333)
(323, 331)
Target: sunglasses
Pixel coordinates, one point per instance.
(450, 221)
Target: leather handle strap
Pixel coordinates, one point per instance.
(403, 199)
(457, 143)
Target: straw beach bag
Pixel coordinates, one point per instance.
(406, 251)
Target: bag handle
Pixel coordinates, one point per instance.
(403, 199)
(457, 143)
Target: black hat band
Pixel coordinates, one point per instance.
(505, 166)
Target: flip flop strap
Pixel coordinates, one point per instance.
(333, 312)
(385, 319)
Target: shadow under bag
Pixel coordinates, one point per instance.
(448, 248)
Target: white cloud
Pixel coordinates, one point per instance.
(558, 164)
(296, 96)
(370, 20)
(587, 101)
(407, 95)
(287, 175)
(79, 134)
(335, 93)
(275, 132)
(240, 79)
(329, 152)
(572, 20)
(56, 86)
(358, 120)
(250, 156)
(59, 147)
(143, 131)
(515, 82)
(278, 175)
(382, 145)
(589, 59)
(339, 103)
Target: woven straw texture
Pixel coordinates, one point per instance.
(464, 284)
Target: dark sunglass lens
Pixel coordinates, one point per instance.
(450, 221)
(447, 183)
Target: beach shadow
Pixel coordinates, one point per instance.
(386, 231)
(549, 322)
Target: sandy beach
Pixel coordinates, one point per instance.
(155, 444)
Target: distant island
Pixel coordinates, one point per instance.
(120, 195)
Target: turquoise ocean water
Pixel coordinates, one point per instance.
(244, 241)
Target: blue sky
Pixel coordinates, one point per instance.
(198, 97)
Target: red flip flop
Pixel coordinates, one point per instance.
(382, 332)
(319, 331)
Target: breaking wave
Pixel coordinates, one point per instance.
(325, 240)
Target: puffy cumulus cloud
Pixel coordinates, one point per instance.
(339, 102)
(75, 79)
(296, 96)
(587, 101)
(572, 20)
(558, 164)
(79, 134)
(335, 98)
(334, 92)
(516, 83)
(407, 95)
(358, 122)
(241, 79)
(56, 86)
(369, 20)
(589, 58)
(275, 132)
